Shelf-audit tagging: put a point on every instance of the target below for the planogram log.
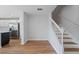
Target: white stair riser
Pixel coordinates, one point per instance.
(65, 35)
(68, 41)
(71, 52)
(70, 46)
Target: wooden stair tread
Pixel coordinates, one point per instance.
(69, 43)
(65, 38)
(71, 49)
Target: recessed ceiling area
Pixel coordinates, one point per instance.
(30, 9)
(38, 9)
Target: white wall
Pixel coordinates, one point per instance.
(69, 19)
(26, 27)
(38, 26)
(9, 11)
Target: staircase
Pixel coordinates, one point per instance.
(70, 46)
(67, 42)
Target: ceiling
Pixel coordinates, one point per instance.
(30, 9)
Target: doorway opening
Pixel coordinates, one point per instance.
(14, 29)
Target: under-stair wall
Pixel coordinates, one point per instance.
(53, 40)
(55, 13)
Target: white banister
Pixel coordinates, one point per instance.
(58, 34)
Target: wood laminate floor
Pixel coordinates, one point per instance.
(31, 47)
